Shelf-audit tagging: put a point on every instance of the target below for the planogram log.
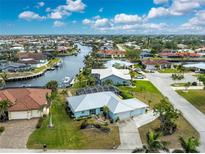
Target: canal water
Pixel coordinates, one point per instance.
(70, 67)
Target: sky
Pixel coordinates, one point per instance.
(102, 17)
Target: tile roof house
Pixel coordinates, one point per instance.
(25, 103)
(117, 76)
(111, 53)
(92, 104)
(153, 64)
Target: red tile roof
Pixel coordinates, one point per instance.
(24, 99)
(112, 52)
(155, 62)
(179, 54)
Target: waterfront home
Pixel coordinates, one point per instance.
(179, 55)
(145, 54)
(111, 53)
(25, 103)
(92, 104)
(117, 76)
(151, 65)
(196, 66)
(36, 60)
(14, 67)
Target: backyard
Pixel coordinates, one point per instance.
(148, 93)
(195, 97)
(66, 133)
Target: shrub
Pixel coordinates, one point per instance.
(84, 124)
(126, 94)
(194, 84)
(1, 129)
(40, 121)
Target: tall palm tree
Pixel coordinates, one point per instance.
(154, 144)
(4, 105)
(49, 100)
(189, 146)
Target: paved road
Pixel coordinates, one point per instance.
(129, 135)
(194, 116)
(16, 133)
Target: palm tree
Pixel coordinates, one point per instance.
(49, 100)
(189, 146)
(154, 144)
(105, 111)
(4, 105)
(4, 78)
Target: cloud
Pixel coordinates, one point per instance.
(160, 1)
(104, 22)
(48, 9)
(125, 18)
(29, 15)
(58, 24)
(75, 6)
(101, 10)
(86, 22)
(157, 12)
(65, 10)
(177, 8)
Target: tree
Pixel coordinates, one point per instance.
(49, 103)
(167, 116)
(4, 105)
(189, 146)
(53, 85)
(105, 111)
(4, 78)
(154, 144)
(132, 74)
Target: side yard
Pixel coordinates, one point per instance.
(66, 133)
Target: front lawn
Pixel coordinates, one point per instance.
(67, 134)
(195, 97)
(184, 129)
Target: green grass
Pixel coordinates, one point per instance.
(169, 70)
(195, 97)
(144, 91)
(66, 133)
(184, 129)
(178, 84)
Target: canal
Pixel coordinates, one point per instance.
(70, 67)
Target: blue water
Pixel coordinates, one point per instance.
(70, 67)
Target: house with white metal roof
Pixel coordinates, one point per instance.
(92, 104)
(117, 76)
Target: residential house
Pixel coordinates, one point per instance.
(152, 65)
(117, 76)
(25, 103)
(36, 60)
(92, 104)
(111, 53)
(14, 67)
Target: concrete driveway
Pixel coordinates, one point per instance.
(194, 116)
(16, 133)
(129, 135)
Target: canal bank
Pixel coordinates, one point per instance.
(70, 67)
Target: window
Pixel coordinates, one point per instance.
(93, 111)
(83, 112)
(101, 109)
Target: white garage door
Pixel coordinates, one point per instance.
(18, 115)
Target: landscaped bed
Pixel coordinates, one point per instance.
(184, 129)
(67, 134)
(195, 97)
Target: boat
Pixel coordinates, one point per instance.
(66, 80)
(58, 64)
(51, 69)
